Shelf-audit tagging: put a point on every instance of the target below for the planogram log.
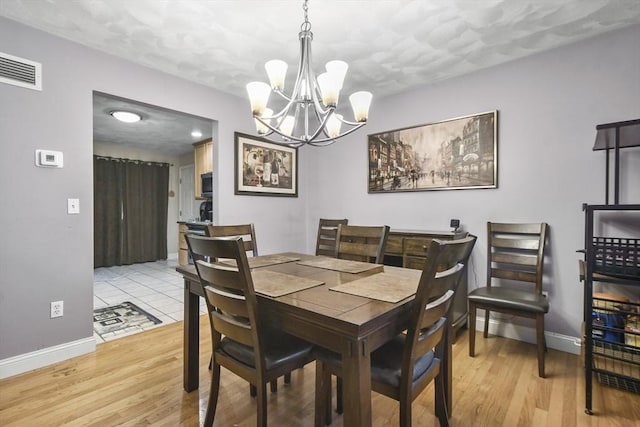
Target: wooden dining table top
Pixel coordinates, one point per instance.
(351, 325)
(350, 310)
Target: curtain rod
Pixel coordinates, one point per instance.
(116, 159)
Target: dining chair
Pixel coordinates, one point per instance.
(248, 234)
(403, 367)
(327, 233)
(361, 243)
(241, 341)
(246, 231)
(515, 259)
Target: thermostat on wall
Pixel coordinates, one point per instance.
(49, 159)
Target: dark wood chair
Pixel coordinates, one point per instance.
(361, 243)
(327, 233)
(246, 231)
(403, 367)
(241, 342)
(248, 234)
(515, 257)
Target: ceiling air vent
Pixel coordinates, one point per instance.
(20, 72)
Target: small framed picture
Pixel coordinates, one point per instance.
(263, 168)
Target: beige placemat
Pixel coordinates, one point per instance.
(383, 286)
(342, 265)
(273, 284)
(264, 260)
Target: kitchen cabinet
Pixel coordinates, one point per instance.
(183, 250)
(199, 228)
(408, 248)
(203, 160)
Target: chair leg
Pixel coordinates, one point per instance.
(274, 386)
(287, 378)
(540, 343)
(323, 395)
(253, 391)
(339, 408)
(486, 323)
(262, 406)
(405, 411)
(213, 396)
(442, 412)
(472, 329)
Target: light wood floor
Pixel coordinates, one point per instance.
(137, 380)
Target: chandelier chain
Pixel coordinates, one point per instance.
(306, 25)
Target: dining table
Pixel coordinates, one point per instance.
(349, 307)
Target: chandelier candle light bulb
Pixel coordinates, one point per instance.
(312, 103)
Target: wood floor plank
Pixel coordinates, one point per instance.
(137, 380)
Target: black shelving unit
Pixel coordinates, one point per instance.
(616, 261)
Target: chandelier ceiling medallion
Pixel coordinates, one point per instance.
(309, 116)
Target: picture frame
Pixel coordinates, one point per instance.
(453, 154)
(255, 158)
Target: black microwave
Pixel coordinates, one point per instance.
(206, 185)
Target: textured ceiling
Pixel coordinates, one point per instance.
(390, 45)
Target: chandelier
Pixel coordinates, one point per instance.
(309, 116)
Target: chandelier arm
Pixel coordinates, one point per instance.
(317, 142)
(283, 95)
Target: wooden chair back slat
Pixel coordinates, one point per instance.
(327, 234)
(516, 243)
(246, 231)
(227, 302)
(515, 259)
(232, 328)
(522, 276)
(361, 243)
(517, 228)
(515, 252)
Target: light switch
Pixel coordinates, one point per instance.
(73, 206)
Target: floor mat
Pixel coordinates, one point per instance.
(121, 320)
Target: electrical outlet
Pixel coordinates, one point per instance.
(57, 309)
(545, 294)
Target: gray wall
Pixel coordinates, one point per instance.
(549, 105)
(47, 255)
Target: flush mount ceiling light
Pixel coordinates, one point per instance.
(126, 116)
(312, 102)
(196, 134)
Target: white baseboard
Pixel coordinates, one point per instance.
(47, 356)
(172, 256)
(555, 341)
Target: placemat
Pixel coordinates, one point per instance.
(384, 287)
(273, 284)
(342, 265)
(264, 260)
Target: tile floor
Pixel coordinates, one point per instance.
(155, 287)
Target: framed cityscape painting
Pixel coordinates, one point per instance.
(454, 154)
(263, 168)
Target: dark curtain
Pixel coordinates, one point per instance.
(130, 211)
